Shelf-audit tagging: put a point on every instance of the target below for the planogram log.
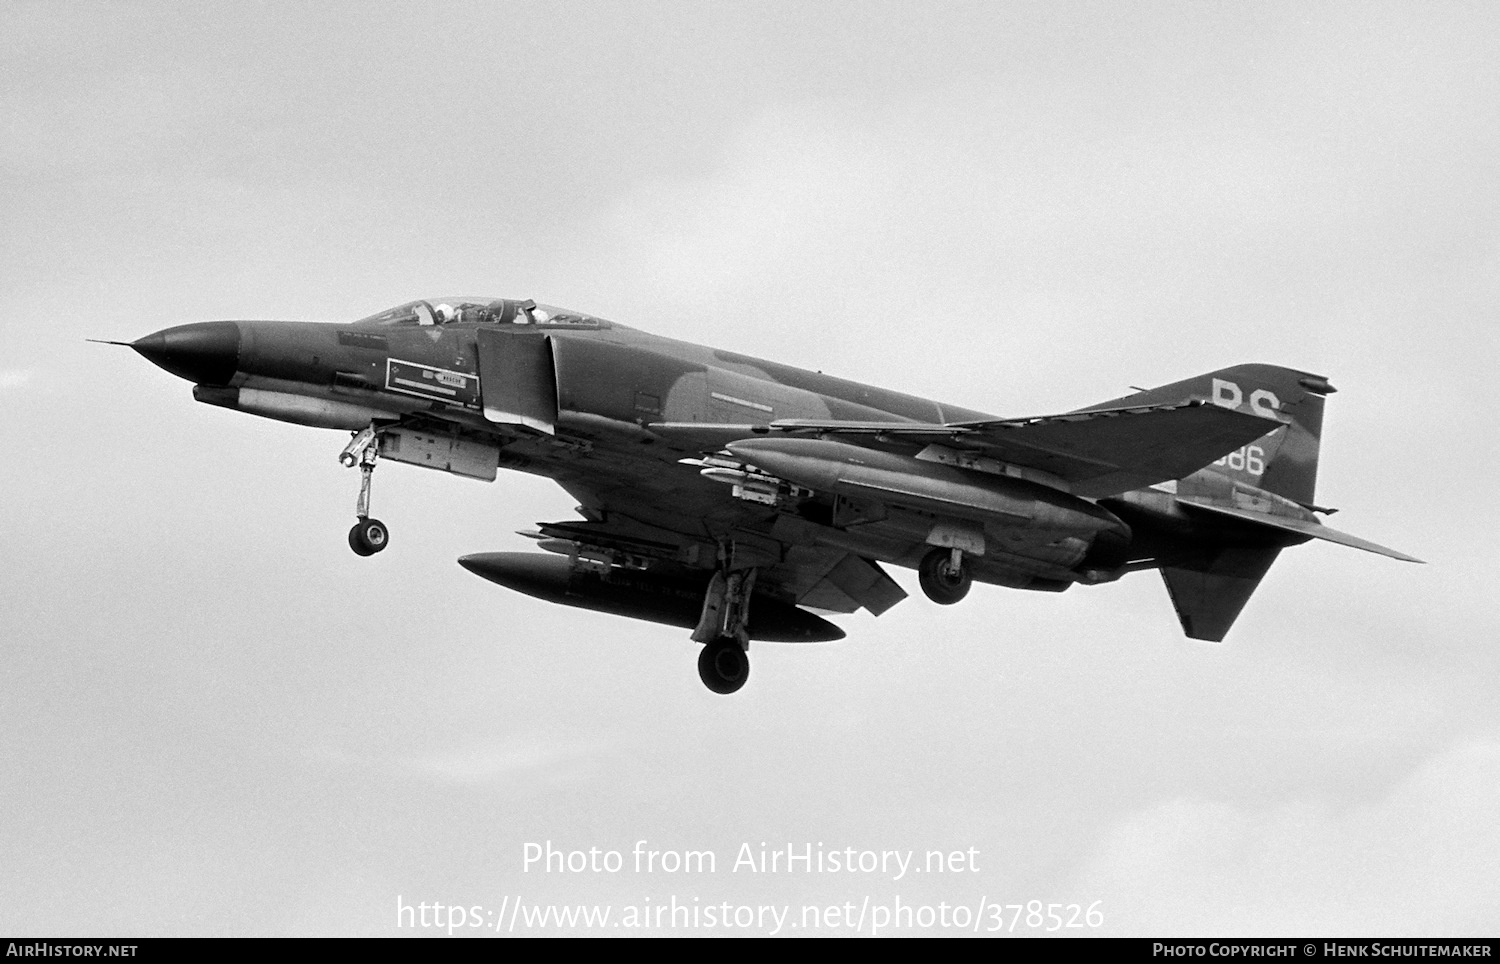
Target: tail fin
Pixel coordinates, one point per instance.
(1285, 460)
(1214, 576)
(1249, 505)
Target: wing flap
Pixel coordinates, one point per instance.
(867, 584)
(832, 581)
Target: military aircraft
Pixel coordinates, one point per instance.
(741, 498)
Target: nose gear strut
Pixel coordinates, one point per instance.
(368, 536)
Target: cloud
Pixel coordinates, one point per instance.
(1044, 213)
(484, 763)
(1419, 861)
(473, 763)
(14, 377)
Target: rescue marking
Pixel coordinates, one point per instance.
(428, 381)
(423, 389)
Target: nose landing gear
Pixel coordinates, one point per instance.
(368, 536)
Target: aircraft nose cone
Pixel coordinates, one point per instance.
(206, 352)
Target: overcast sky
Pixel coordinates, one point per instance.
(216, 719)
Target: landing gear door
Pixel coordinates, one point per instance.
(517, 382)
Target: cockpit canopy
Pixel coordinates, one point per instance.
(488, 311)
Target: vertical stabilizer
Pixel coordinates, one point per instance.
(1216, 566)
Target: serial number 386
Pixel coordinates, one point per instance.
(1251, 458)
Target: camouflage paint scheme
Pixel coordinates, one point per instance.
(688, 460)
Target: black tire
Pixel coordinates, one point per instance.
(724, 666)
(942, 583)
(369, 536)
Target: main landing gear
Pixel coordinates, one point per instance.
(724, 664)
(944, 577)
(368, 536)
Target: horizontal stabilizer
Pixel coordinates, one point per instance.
(1300, 527)
(1097, 453)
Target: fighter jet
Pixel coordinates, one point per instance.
(745, 500)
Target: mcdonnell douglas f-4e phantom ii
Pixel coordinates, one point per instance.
(738, 497)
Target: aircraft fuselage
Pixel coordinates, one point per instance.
(622, 409)
(741, 496)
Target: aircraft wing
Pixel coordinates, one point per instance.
(1094, 454)
(627, 525)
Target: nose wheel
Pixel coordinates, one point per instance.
(368, 536)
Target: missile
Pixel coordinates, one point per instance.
(640, 594)
(932, 487)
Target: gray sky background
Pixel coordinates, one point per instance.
(215, 719)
